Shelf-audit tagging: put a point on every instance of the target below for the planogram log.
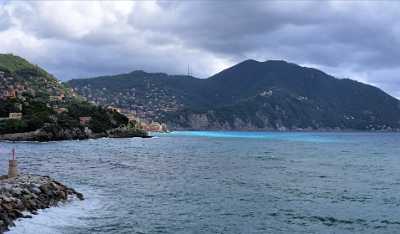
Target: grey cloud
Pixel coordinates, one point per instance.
(237, 28)
(360, 38)
(5, 21)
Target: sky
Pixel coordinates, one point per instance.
(75, 39)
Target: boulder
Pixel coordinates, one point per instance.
(29, 193)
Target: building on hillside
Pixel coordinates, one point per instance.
(18, 106)
(9, 94)
(19, 90)
(16, 115)
(131, 117)
(164, 127)
(57, 98)
(20, 87)
(84, 120)
(154, 127)
(143, 125)
(111, 108)
(60, 110)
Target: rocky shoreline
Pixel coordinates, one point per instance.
(72, 134)
(26, 194)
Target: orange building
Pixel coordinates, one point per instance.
(84, 120)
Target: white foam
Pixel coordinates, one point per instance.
(69, 215)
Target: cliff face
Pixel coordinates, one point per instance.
(271, 95)
(207, 121)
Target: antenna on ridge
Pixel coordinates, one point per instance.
(189, 71)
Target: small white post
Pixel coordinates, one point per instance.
(12, 166)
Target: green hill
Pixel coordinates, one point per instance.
(15, 64)
(252, 95)
(37, 106)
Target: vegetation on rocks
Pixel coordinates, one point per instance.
(48, 109)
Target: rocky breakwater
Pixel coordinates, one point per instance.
(26, 194)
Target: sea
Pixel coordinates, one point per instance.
(219, 182)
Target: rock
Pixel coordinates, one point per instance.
(16, 214)
(16, 191)
(63, 195)
(34, 188)
(7, 187)
(80, 196)
(34, 196)
(33, 204)
(6, 206)
(19, 205)
(6, 198)
(44, 188)
(29, 193)
(6, 219)
(27, 196)
(26, 191)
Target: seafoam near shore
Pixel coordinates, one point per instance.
(26, 194)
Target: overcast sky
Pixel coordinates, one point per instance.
(72, 39)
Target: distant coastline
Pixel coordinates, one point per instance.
(251, 95)
(286, 130)
(40, 136)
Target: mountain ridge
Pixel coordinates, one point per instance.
(270, 95)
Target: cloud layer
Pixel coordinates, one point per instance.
(359, 39)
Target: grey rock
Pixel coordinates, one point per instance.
(29, 193)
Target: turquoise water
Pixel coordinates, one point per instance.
(286, 136)
(220, 182)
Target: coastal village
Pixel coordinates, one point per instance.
(147, 104)
(12, 88)
(150, 126)
(9, 90)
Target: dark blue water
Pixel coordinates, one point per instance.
(220, 182)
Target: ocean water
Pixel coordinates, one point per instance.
(220, 182)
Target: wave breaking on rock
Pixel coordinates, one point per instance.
(25, 194)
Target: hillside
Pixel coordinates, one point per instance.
(252, 95)
(36, 106)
